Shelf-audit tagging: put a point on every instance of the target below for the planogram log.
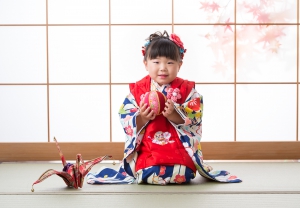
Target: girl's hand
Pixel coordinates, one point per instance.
(169, 108)
(171, 114)
(146, 114)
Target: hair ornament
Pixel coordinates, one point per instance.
(144, 47)
(173, 37)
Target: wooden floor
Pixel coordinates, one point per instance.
(265, 184)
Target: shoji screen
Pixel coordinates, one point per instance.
(65, 66)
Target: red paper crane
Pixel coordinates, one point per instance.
(72, 174)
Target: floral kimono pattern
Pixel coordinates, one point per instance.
(190, 133)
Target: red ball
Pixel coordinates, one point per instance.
(156, 101)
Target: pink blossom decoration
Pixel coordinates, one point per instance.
(162, 170)
(129, 130)
(232, 177)
(143, 97)
(127, 118)
(132, 110)
(187, 121)
(173, 94)
(179, 179)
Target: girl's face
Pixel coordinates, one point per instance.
(162, 70)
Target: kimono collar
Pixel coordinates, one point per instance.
(155, 86)
(145, 85)
(174, 84)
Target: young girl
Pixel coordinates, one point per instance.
(164, 148)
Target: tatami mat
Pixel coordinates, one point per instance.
(151, 201)
(264, 184)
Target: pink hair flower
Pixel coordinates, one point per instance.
(176, 40)
(179, 43)
(173, 94)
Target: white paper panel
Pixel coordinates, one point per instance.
(210, 53)
(22, 12)
(23, 114)
(23, 55)
(270, 11)
(205, 11)
(141, 11)
(79, 54)
(266, 53)
(266, 112)
(119, 93)
(78, 12)
(218, 112)
(126, 51)
(79, 113)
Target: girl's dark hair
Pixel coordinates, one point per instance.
(161, 45)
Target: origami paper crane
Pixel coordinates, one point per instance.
(72, 174)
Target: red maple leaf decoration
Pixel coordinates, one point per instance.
(255, 10)
(271, 34)
(205, 6)
(214, 6)
(263, 18)
(228, 26)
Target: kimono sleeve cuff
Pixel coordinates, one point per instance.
(187, 120)
(135, 115)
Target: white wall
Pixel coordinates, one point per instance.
(65, 65)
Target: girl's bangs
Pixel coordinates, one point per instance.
(164, 49)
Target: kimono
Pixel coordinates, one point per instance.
(136, 167)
